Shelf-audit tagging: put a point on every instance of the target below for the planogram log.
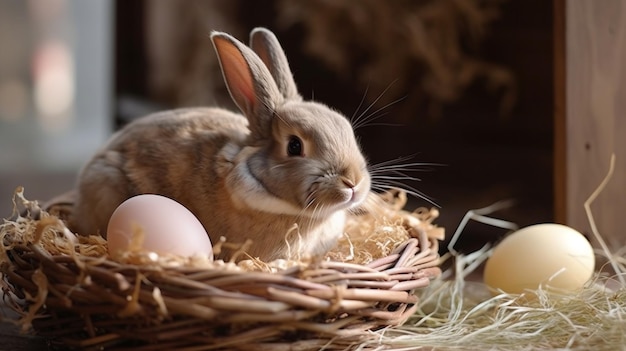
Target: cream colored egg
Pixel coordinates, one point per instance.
(157, 224)
(547, 255)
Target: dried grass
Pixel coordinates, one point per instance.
(457, 313)
(461, 315)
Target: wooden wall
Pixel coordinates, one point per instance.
(591, 113)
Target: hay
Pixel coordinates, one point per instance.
(374, 234)
(460, 314)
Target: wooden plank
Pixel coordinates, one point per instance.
(560, 172)
(595, 49)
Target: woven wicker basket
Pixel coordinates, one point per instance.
(74, 294)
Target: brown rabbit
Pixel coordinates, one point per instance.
(284, 162)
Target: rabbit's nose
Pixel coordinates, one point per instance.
(348, 182)
(351, 188)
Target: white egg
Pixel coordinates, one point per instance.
(547, 255)
(157, 224)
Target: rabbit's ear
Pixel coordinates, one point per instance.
(266, 45)
(249, 82)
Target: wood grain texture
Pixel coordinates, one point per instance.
(596, 113)
(560, 135)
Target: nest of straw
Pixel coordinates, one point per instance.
(69, 290)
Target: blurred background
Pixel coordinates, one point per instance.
(467, 84)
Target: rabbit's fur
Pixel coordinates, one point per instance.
(243, 176)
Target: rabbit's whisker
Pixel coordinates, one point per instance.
(393, 174)
(378, 114)
(356, 121)
(401, 162)
(352, 118)
(316, 211)
(364, 118)
(310, 199)
(398, 177)
(390, 185)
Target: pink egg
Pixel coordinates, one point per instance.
(163, 226)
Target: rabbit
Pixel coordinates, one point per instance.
(283, 174)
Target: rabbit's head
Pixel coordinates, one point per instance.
(301, 157)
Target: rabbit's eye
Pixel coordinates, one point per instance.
(294, 147)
